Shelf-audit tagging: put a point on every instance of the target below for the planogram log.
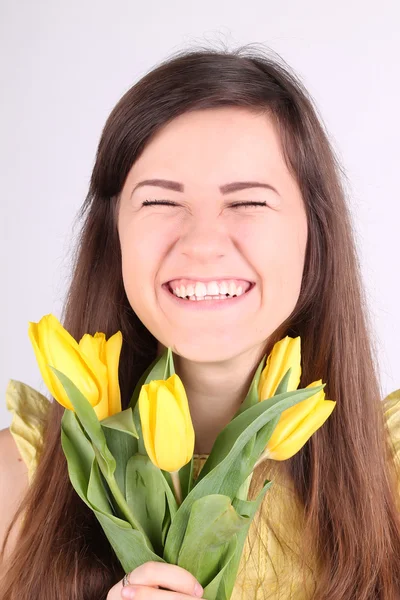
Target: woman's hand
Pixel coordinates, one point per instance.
(158, 581)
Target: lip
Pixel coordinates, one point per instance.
(207, 304)
(207, 279)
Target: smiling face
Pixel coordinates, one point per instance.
(204, 234)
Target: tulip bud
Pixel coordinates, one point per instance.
(297, 424)
(92, 365)
(167, 427)
(285, 354)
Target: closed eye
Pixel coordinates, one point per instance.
(170, 203)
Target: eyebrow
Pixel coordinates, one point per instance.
(224, 189)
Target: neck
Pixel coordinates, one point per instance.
(215, 392)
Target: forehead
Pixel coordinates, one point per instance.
(212, 146)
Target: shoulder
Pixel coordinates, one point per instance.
(391, 414)
(14, 481)
(20, 448)
(11, 462)
(30, 411)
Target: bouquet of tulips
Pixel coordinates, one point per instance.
(134, 467)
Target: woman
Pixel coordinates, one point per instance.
(215, 166)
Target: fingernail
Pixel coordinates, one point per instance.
(128, 593)
(198, 590)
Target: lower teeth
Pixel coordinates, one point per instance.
(195, 299)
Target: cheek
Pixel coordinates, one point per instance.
(279, 252)
(141, 252)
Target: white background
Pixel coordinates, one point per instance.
(63, 67)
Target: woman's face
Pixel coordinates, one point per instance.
(203, 235)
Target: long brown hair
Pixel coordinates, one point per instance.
(344, 475)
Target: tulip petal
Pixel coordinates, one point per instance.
(293, 358)
(92, 349)
(55, 388)
(170, 432)
(263, 377)
(85, 364)
(59, 350)
(71, 362)
(285, 354)
(292, 417)
(145, 410)
(113, 352)
(179, 393)
(100, 339)
(303, 433)
(51, 323)
(49, 346)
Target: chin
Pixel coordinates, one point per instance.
(207, 352)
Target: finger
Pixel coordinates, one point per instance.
(168, 576)
(144, 592)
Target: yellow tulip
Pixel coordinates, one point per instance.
(296, 424)
(167, 427)
(285, 354)
(92, 365)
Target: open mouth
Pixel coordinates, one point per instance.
(207, 301)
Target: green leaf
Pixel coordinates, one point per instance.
(228, 436)
(246, 508)
(95, 493)
(215, 590)
(222, 586)
(170, 368)
(122, 421)
(78, 452)
(231, 469)
(284, 382)
(243, 491)
(212, 523)
(252, 395)
(80, 460)
(122, 446)
(146, 491)
(186, 477)
(157, 370)
(128, 544)
(265, 432)
(165, 526)
(90, 423)
(138, 425)
(161, 368)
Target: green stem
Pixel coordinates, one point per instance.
(243, 491)
(177, 486)
(263, 456)
(120, 500)
(122, 504)
(244, 488)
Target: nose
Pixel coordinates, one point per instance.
(204, 237)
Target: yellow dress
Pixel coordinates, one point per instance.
(266, 570)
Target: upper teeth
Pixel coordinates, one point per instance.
(211, 288)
